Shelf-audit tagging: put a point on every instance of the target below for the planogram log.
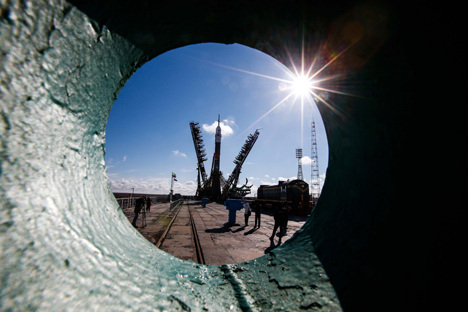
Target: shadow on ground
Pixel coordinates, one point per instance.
(272, 246)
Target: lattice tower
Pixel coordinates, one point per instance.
(299, 163)
(201, 153)
(314, 166)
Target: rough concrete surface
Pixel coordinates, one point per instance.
(65, 243)
(221, 244)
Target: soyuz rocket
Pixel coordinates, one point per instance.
(217, 147)
(216, 185)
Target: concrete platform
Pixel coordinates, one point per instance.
(221, 244)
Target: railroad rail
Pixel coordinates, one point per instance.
(174, 216)
(163, 229)
(196, 240)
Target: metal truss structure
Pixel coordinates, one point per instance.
(314, 166)
(231, 184)
(299, 164)
(201, 154)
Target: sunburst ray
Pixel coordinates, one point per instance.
(337, 92)
(264, 115)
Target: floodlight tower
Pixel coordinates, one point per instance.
(299, 163)
(314, 166)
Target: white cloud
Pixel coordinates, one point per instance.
(267, 176)
(152, 186)
(267, 183)
(229, 122)
(176, 152)
(306, 160)
(125, 158)
(225, 125)
(273, 179)
(253, 191)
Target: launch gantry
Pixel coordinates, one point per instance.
(231, 184)
(216, 187)
(201, 154)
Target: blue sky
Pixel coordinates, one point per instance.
(148, 134)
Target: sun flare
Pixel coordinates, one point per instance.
(302, 85)
(303, 82)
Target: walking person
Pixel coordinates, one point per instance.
(280, 221)
(247, 213)
(257, 209)
(138, 205)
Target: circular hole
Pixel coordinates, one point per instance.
(148, 139)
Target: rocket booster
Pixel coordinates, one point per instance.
(217, 147)
(216, 183)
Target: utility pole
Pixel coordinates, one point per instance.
(131, 197)
(172, 184)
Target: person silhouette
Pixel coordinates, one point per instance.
(257, 209)
(138, 205)
(247, 212)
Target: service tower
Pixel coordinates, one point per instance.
(216, 183)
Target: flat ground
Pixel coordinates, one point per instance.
(221, 244)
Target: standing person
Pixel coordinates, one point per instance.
(148, 204)
(138, 205)
(285, 216)
(247, 213)
(257, 209)
(143, 202)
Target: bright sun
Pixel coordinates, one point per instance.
(302, 85)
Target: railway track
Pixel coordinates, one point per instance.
(196, 240)
(166, 215)
(156, 223)
(158, 231)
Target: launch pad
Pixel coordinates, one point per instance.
(215, 187)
